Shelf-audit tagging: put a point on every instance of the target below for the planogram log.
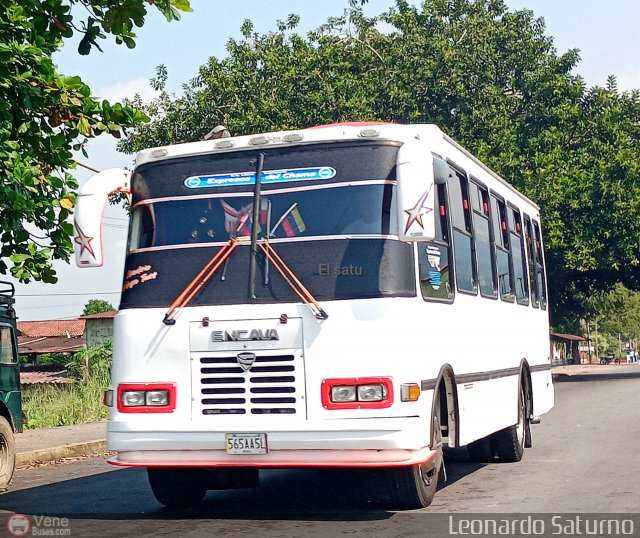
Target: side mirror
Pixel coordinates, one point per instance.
(416, 193)
(88, 213)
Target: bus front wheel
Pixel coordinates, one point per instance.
(415, 486)
(7, 454)
(177, 488)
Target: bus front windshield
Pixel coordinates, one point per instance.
(366, 208)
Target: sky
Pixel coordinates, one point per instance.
(606, 33)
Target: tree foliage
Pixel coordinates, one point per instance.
(97, 306)
(488, 77)
(45, 115)
(92, 363)
(615, 315)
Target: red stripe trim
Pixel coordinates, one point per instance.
(416, 457)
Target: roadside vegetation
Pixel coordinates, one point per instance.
(612, 321)
(78, 402)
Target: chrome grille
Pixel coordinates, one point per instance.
(269, 387)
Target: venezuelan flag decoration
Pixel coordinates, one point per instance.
(293, 224)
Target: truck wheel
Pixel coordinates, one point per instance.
(7, 454)
(177, 488)
(510, 441)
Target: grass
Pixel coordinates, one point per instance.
(47, 406)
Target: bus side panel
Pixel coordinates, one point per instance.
(543, 392)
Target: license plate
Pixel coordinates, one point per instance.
(246, 443)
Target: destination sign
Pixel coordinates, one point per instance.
(268, 176)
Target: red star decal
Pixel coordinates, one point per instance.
(84, 241)
(417, 211)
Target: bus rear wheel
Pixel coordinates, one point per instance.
(510, 441)
(415, 486)
(7, 454)
(177, 488)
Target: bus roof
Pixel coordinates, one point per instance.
(318, 134)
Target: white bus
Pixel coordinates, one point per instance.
(351, 295)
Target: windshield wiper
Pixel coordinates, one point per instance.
(200, 280)
(294, 282)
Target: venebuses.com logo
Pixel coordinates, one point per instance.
(22, 525)
(18, 525)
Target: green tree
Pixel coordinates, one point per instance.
(613, 320)
(488, 77)
(45, 115)
(97, 306)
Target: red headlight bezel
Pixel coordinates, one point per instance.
(147, 387)
(328, 384)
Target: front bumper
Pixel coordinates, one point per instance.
(377, 446)
(280, 459)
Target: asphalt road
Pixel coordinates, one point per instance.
(585, 459)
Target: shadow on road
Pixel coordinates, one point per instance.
(311, 495)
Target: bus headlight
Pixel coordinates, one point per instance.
(371, 393)
(343, 393)
(157, 397)
(357, 393)
(146, 397)
(131, 398)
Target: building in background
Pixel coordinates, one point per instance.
(98, 327)
(50, 336)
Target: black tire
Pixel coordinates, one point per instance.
(177, 488)
(7, 454)
(414, 487)
(483, 450)
(510, 441)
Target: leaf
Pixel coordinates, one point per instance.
(84, 47)
(67, 203)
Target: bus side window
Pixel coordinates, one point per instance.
(142, 231)
(518, 256)
(541, 280)
(529, 242)
(501, 248)
(463, 247)
(482, 235)
(434, 258)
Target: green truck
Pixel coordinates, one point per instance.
(10, 396)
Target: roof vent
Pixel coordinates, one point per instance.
(368, 133)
